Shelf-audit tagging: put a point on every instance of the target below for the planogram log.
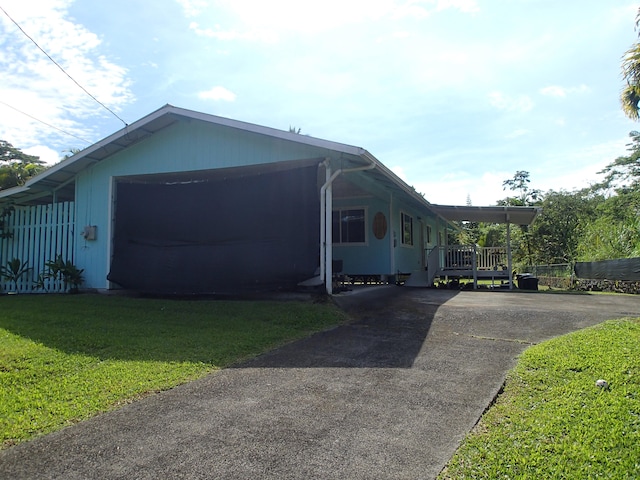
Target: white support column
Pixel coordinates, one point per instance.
(328, 239)
(509, 260)
(475, 267)
(392, 239)
(326, 202)
(323, 217)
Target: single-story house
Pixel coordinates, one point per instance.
(185, 202)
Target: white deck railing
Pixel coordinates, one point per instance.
(463, 257)
(468, 261)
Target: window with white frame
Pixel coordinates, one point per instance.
(349, 226)
(406, 226)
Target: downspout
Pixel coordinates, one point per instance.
(323, 220)
(326, 208)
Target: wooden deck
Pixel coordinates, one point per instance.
(454, 262)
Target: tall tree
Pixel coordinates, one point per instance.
(630, 95)
(16, 167)
(625, 169)
(520, 184)
(523, 251)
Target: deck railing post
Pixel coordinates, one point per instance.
(475, 268)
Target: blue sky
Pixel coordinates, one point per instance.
(455, 96)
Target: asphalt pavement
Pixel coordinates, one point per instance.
(389, 395)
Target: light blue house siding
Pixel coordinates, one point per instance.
(193, 164)
(186, 146)
(372, 258)
(388, 255)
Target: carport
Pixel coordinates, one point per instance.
(440, 261)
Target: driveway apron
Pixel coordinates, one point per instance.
(389, 395)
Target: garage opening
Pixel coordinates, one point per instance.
(229, 231)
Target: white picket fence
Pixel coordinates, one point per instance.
(37, 234)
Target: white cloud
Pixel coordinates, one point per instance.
(46, 154)
(218, 33)
(193, 8)
(519, 103)
(454, 189)
(259, 20)
(562, 92)
(467, 6)
(399, 171)
(520, 132)
(31, 83)
(218, 93)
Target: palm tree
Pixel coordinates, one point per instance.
(630, 95)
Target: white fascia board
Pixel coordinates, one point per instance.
(13, 190)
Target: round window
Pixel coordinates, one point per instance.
(379, 225)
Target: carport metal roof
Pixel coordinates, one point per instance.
(504, 214)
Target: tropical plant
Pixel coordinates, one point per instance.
(14, 270)
(630, 95)
(65, 270)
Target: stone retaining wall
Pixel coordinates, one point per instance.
(587, 285)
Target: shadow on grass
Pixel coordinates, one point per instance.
(386, 332)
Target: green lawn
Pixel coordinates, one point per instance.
(552, 421)
(64, 358)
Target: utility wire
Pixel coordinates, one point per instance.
(44, 123)
(62, 69)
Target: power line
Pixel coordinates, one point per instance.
(62, 69)
(44, 123)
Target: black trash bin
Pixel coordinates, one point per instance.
(526, 281)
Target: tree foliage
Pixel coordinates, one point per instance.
(624, 170)
(16, 167)
(597, 223)
(520, 184)
(630, 95)
(557, 233)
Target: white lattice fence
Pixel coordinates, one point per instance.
(37, 234)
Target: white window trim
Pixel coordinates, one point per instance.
(404, 214)
(366, 226)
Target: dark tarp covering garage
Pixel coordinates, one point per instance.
(228, 234)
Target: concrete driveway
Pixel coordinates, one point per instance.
(390, 395)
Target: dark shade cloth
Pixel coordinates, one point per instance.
(254, 232)
(621, 269)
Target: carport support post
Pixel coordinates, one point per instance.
(509, 259)
(475, 268)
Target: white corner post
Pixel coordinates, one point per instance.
(509, 259)
(328, 238)
(323, 220)
(326, 224)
